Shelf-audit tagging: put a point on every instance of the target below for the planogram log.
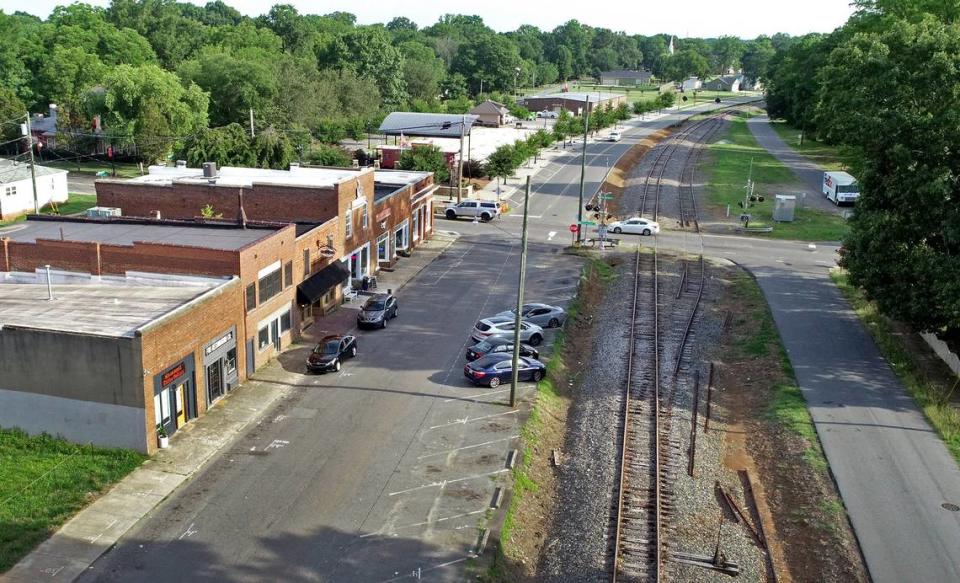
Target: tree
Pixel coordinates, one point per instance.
(901, 112)
(502, 163)
(727, 52)
(324, 155)
(490, 57)
(666, 100)
(756, 58)
(237, 82)
(10, 108)
(426, 159)
(547, 73)
(147, 106)
(369, 52)
(564, 63)
(685, 63)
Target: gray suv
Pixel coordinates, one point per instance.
(483, 210)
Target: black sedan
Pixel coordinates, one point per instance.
(493, 369)
(495, 345)
(377, 310)
(330, 352)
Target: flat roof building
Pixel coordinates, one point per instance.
(111, 359)
(572, 101)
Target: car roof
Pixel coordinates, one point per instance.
(488, 359)
(498, 320)
(331, 338)
(378, 298)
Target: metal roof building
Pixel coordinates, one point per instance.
(434, 125)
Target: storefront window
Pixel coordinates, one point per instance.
(156, 410)
(164, 406)
(230, 362)
(416, 224)
(263, 338)
(383, 251)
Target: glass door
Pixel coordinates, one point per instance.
(214, 381)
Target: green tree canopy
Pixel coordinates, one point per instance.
(426, 159)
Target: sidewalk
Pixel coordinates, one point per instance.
(89, 534)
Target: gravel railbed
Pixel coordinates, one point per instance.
(577, 542)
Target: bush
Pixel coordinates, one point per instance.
(426, 159)
(324, 155)
(474, 169)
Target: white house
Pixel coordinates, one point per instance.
(691, 84)
(16, 189)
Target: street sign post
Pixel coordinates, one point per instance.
(588, 223)
(574, 228)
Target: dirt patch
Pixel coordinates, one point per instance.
(526, 528)
(768, 433)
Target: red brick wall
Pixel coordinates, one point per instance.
(186, 333)
(262, 202)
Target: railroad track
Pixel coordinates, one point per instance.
(659, 364)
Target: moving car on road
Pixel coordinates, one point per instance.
(615, 136)
(493, 369)
(377, 310)
(634, 226)
(502, 327)
(495, 345)
(329, 353)
(485, 211)
(542, 315)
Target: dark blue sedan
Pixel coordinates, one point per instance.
(493, 369)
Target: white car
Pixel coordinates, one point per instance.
(634, 226)
(542, 315)
(481, 209)
(615, 136)
(548, 114)
(503, 327)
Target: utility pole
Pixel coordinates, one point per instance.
(463, 122)
(583, 169)
(517, 320)
(252, 133)
(481, 87)
(33, 170)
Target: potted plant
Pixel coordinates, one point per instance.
(162, 437)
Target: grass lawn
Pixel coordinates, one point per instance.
(44, 481)
(732, 156)
(91, 167)
(828, 157)
(76, 203)
(935, 401)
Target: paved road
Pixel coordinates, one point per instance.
(892, 470)
(808, 173)
(385, 470)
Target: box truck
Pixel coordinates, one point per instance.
(840, 187)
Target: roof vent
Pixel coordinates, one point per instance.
(210, 171)
(376, 164)
(181, 163)
(355, 163)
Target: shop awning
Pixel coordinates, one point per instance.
(320, 282)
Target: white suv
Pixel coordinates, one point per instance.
(483, 210)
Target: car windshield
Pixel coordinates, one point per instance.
(329, 347)
(483, 347)
(488, 361)
(483, 326)
(375, 306)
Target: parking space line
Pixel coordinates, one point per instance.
(420, 570)
(485, 393)
(466, 420)
(449, 451)
(424, 523)
(443, 483)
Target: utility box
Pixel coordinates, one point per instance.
(784, 208)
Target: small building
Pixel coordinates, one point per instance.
(730, 83)
(16, 188)
(433, 125)
(43, 128)
(625, 78)
(691, 84)
(110, 359)
(573, 102)
(491, 114)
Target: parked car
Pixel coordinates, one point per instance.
(329, 353)
(502, 327)
(483, 210)
(548, 114)
(493, 369)
(542, 315)
(497, 345)
(615, 136)
(634, 226)
(377, 310)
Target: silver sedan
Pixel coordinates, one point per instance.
(540, 314)
(502, 327)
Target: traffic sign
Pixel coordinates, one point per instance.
(606, 197)
(574, 228)
(588, 223)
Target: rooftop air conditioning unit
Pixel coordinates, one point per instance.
(355, 163)
(209, 169)
(102, 212)
(181, 163)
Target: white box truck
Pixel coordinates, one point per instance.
(840, 187)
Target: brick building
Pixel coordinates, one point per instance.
(572, 102)
(110, 359)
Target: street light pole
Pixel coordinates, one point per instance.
(583, 170)
(463, 122)
(517, 319)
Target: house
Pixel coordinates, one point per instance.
(16, 188)
(572, 102)
(43, 128)
(751, 84)
(625, 78)
(490, 113)
(730, 83)
(691, 84)
(110, 360)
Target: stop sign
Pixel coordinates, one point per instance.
(574, 228)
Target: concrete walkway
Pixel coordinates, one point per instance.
(89, 534)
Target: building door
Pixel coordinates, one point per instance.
(275, 334)
(214, 381)
(181, 405)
